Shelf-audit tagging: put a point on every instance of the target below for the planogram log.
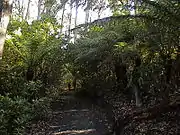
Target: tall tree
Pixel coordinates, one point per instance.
(76, 16)
(87, 11)
(27, 11)
(70, 17)
(63, 5)
(5, 11)
(39, 9)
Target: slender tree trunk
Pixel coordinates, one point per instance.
(27, 12)
(99, 14)
(87, 11)
(136, 83)
(75, 21)
(74, 82)
(19, 7)
(70, 18)
(87, 16)
(1, 8)
(22, 9)
(135, 7)
(5, 12)
(62, 18)
(137, 96)
(39, 9)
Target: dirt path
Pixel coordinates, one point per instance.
(75, 117)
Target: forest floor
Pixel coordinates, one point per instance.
(72, 116)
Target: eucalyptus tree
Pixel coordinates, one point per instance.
(63, 4)
(5, 12)
(77, 4)
(28, 10)
(70, 17)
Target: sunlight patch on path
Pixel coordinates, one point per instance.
(75, 131)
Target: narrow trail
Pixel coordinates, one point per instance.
(74, 116)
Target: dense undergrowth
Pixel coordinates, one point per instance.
(28, 74)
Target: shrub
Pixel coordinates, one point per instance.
(31, 90)
(41, 108)
(14, 114)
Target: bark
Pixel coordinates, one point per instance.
(19, 7)
(70, 18)
(135, 83)
(76, 15)
(75, 21)
(99, 14)
(137, 96)
(22, 9)
(5, 12)
(39, 9)
(87, 16)
(1, 8)
(87, 11)
(27, 12)
(62, 18)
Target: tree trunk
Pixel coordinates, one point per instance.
(87, 16)
(22, 9)
(87, 11)
(135, 7)
(70, 18)
(39, 9)
(5, 12)
(75, 21)
(27, 12)
(62, 18)
(136, 83)
(99, 14)
(137, 96)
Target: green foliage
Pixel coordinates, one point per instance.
(15, 113)
(41, 108)
(32, 62)
(152, 39)
(32, 52)
(31, 90)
